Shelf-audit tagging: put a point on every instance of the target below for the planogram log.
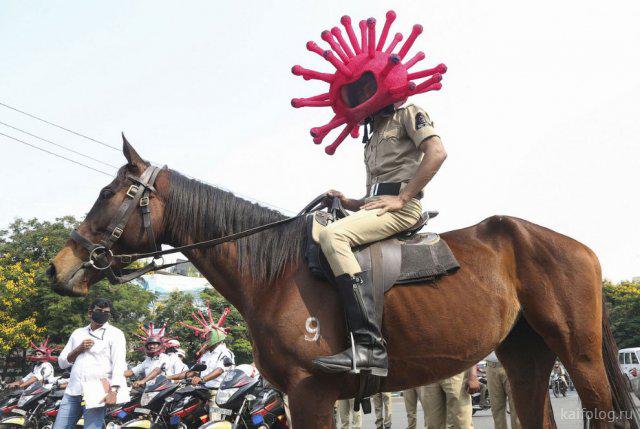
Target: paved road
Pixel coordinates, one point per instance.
(566, 412)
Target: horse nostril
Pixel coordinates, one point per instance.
(51, 272)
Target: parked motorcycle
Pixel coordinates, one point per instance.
(119, 414)
(267, 411)
(9, 401)
(246, 403)
(29, 407)
(187, 407)
(154, 405)
(51, 405)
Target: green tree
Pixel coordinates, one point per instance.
(623, 306)
(17, 315)
(239, 340)
(33, 244)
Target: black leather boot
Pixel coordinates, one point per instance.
(363, 311)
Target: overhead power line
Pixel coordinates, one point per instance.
(59, 145)
(263, 203)
(56, 155)
(58, 126)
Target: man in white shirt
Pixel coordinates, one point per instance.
(98, 355)
(175, 354)
(42, 370)
(155, 363)
(217, 358)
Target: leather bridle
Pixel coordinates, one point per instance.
(101, 257)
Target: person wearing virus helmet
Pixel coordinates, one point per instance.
(42, 371)
(401, 156)
(218, 359)
(155, 362)
(176, 356)
(214, 354)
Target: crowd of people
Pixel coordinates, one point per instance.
(97, 352)
(96, 357)
(446, 403)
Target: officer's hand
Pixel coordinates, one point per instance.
(196, 380)
(472, 385)
(387, 203)
(332, 193)
(13, 385)
(137, 383)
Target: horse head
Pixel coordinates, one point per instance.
(114, 225)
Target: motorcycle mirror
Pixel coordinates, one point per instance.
(199, 367)
(250, 398)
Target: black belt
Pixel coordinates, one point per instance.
(389, 188)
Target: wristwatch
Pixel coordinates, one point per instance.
(114, 389)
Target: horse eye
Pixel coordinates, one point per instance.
(105, 194)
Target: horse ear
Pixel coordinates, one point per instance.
(130, 153)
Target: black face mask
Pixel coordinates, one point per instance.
(100, 317)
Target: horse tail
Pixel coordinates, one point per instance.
(623, 405)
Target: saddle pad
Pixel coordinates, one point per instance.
(419, 258)
(425, 256)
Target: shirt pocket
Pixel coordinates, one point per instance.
(100, 347)
(387, 151)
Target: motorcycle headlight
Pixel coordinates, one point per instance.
(147, 397)
(223, 395)
(23, 400)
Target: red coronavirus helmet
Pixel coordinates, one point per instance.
(368, 76)
(210, 331)
(152, 335)
(45, 351)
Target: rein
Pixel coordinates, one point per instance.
(101, 257)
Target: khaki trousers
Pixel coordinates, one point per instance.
(363, 226)
(345, 409)
(448, 396)
(499, 391)
(411, 398)
(382, 406)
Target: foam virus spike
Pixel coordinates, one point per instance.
(367, 78)
(391, 16)
(207, 323)
(152, 332)
(46, 350)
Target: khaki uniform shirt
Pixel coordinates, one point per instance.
(393, 153)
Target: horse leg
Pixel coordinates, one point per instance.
(311, 403)
(528, 362)
(575, 334)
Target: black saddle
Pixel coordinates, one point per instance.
(407, 257)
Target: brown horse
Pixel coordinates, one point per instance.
(528, 292)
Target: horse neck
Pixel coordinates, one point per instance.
(219, 267)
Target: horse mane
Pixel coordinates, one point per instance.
(198, 211)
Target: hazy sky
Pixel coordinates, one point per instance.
(539, 110)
